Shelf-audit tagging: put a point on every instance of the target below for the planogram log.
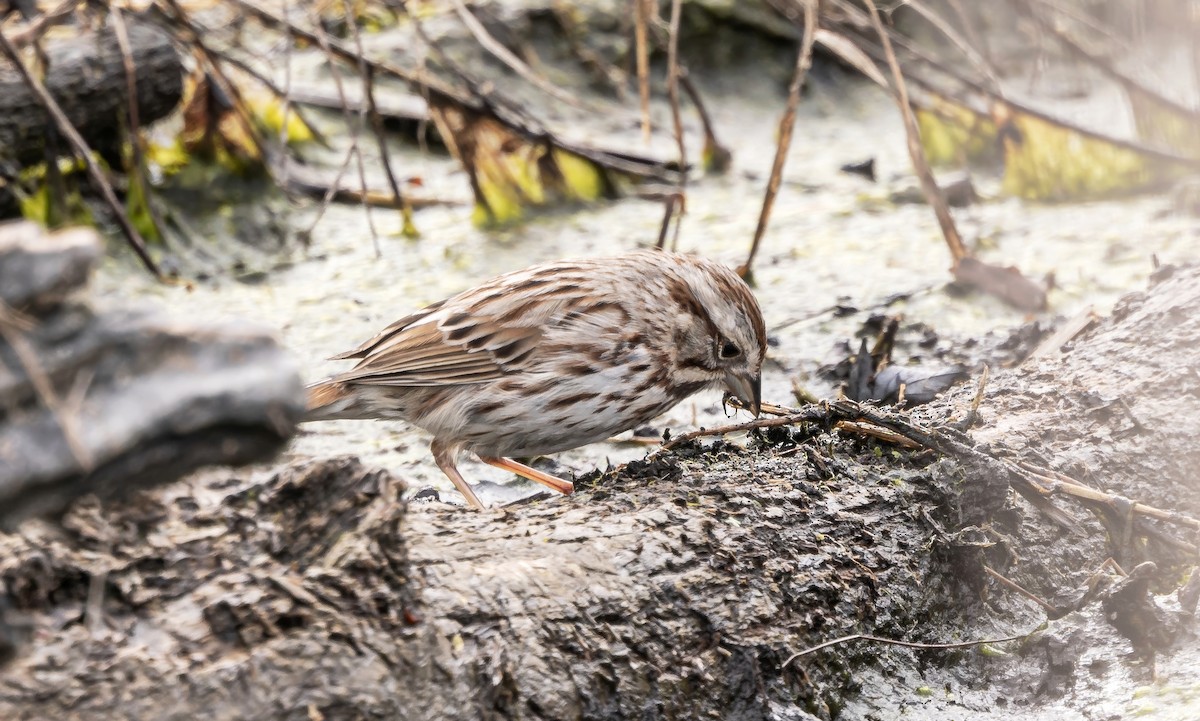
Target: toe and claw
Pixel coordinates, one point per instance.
(444, 456)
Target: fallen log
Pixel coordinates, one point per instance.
(86, 76)
(104, 403)
(678, 587)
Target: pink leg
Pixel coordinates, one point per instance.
(444, 457)
(533, 474)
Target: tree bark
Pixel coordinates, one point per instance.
(86, 76)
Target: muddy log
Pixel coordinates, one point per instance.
(678, 587)
(107, 402)
(85, 74)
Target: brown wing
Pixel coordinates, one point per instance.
(388, 333)
(479, 336)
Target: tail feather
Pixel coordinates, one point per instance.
(330, 400)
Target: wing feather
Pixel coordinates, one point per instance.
(478, 336)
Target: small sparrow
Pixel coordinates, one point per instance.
(554, 357)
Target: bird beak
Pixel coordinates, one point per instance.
(748, 389)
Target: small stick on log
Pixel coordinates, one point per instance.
(1017, 588)
(883, 434)
(897, 642)
(786, 125)
(1059, 482)
(101, 183)
(1073, 327)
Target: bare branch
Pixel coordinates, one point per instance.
(786, 126)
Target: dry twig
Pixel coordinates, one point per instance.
(368, 77)
(678, 207)
(906, 644)
(354, 151)
(641, 19)
(786, 125)
(929, 188)
(504, 55)
(1017, 588)
(12, 327)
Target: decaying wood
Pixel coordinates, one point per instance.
(683, 584)
(105, 403)
(38, 275)
(86, 77)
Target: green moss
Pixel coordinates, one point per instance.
(137, 207)
(953, 135)
(582, 179)
(1046, 162)
(269, 113)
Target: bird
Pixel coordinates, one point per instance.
(555, 356)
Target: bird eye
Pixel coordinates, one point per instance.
(729, 350)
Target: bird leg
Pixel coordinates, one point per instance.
(533, 474)
(444, 457)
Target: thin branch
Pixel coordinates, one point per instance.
(933, 194)
(676, 116)
(11, 329)
(1017, 588)
(719, 156)
(504, 55)
(42, 23)
(135, 126)
(967, 48)
(80, 146)
(368, 77)
(323, 42)
(641, 12)
(786, 126)
(906, 644)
